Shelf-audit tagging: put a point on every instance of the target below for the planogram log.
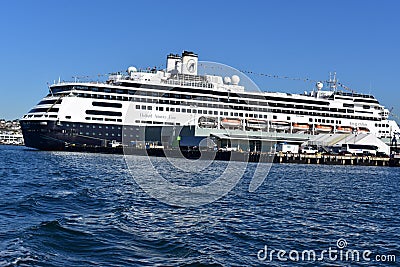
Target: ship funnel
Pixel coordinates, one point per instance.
(189, 63)
(173, 61)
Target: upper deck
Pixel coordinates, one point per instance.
(180, 82)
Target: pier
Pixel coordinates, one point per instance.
(327, 159)
(296, 158)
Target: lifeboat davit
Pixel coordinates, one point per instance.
(230, 123)
(323, 128)
(301, 126)
(256, 124)
(344, 129)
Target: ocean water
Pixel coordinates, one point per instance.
(78, 209)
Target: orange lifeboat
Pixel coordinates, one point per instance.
(344, 129)
(301, 126)
(323, 128)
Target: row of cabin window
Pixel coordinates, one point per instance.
(381, 125)
(158, 122)
(112, 127)
(236, 114)
(100, 134)
(102, 119)
(277, 110)
(192, 90)
(232, 114)
(244, 107)
(40, 115)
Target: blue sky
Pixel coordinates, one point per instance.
(42, 40)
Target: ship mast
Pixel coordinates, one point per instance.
(333, 82)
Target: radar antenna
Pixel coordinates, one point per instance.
(333, 82)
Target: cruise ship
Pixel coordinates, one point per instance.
(177, 106)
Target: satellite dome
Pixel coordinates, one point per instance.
(235, 79)
(131, 69)
(319, 85)
(227, 80)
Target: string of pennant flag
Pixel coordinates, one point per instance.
(279, 77)
(260, 74)
(207, 66)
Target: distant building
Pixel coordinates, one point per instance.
(11, 138)
(10, 132)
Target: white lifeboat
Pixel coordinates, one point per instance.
(256, 124)
(280, 125)
(207, 122)
(230, 123)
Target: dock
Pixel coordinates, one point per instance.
(327, 159)
(297, 158)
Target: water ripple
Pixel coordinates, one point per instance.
(77, 209)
